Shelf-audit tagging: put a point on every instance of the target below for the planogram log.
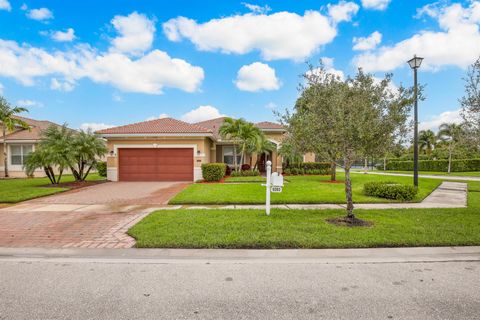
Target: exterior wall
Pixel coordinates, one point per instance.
(201, 148)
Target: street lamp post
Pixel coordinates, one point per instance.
(415, 63)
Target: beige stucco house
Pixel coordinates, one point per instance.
(20, 143)
(172, 150)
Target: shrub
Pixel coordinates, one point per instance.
(434, 165)
(228, 170)
(390, 190)
(102, 168)
(322, 168)
(213, 171)
(246, 173)
(245, 166)
(287, 171)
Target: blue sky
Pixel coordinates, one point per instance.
(103, 63)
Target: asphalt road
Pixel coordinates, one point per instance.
(85, 289)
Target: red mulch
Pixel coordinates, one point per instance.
(346, 222)
(331, 181)
(76, 184)
(221, 181)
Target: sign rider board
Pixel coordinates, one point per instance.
(274, 184)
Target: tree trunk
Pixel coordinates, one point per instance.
(333, 171)
(348, 190)
(86, 173)
(385, 164)
(365, 166)
(59, 175)
(48, 175)
(5, 155)
(449, 159)
(242, 156)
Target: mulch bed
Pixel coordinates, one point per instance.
(345, 222)
(221, 181)
(76, 184)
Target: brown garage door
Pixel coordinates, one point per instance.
(155, 164)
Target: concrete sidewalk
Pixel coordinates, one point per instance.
(201, 256)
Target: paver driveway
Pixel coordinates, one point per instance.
(91, 217)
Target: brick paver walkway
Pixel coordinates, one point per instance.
(93, 217)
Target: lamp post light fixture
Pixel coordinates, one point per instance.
(415, 63)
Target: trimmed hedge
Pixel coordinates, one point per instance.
(245, 173)
(320, 168)
(102, 168)
(390, 190)
(434, 165)
(213, 171)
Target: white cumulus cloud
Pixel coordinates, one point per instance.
(256, 8)
(5, 5)
(41, 14)
(64, 36)
(280, 35)
(457, 44)
(201, 113)
(376, 4)
(26, 103)
(135, 31)
(1, 89)
(257, 77)
(150, 73)
(367, 43)
(453, 116)
(160, 116)
(94, 126)
(343, 11)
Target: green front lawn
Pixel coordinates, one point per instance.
(16, 190)
(308, 228)
(434, 173)
(299, 189)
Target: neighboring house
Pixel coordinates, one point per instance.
(172, 150)
(20, 143)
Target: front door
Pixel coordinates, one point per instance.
(262, 162)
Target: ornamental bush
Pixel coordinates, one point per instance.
(245, 167)
(246, 173)
(213, 171)
(390, 190)
(434, 165)
(102, 168)
(321, 168)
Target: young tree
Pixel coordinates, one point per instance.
(249, 135)
(359, 116)
(426, 141)
(9, 122)
(471, 104)
(451, 134)
(231, 130)
(259, 147)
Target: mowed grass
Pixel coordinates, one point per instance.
(309, 229)
(298, 189)
(16, 190)
(434, 173)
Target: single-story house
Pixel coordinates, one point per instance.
(172, 150)
(20, 143)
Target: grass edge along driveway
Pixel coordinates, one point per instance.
(298, 189)
(15, 190)
(308, 228)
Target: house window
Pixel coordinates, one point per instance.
(19, 153)
(228, 155)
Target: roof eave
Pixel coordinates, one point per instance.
(139, 135)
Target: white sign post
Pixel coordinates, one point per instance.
(274, 184)
(269, 177)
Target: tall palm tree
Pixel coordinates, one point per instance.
(9, 123)
(262, 146)
(451, 134)
(230, 130)
(249, 135)
(426, 141)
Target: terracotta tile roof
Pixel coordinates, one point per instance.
(265, 125)
(36, 128)
(213, 125)
(157, 126)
